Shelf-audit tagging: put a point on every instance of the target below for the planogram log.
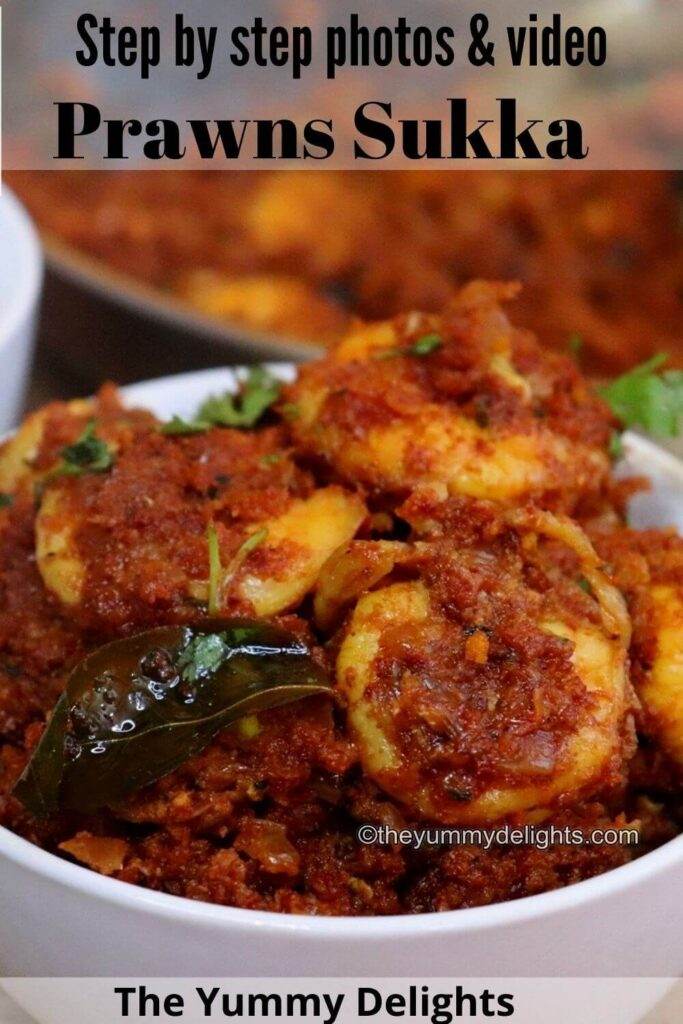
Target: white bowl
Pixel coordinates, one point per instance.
(21, 276)
(59, 919)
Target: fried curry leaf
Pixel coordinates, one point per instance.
(137, 708)
(88, 454)
(648, 399)
(36, 788)
(259, 392)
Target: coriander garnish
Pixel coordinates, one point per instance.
(178, 427)
(290, 411)
(215, 570)
(422, 347)
(220, 578)
(575, 345)
(244, 550)
(426, 345)
(258, 392)
(251, 543)
(616, 445)
(202, 656)
(644, 398)
(88, 454)
(585, 585)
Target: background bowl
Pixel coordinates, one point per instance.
(21, 275)
(59, 919)
(189, 338)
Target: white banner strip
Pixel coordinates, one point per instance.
(347, 1000)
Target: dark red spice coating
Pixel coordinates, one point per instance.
(144, 535)
(269, 822)
(266, 817)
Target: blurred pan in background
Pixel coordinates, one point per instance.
(188, 269)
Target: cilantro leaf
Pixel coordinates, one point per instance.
(585, 585)
(259, 392)
(88, 454)
(251, 543)
(575, 345)
(215, 570)
(422, 347)
(220, 578)
(616, 445)
(178, 427)
(644, 398)
(290, 411)
(6, 500)
(425, 346)
(272, 458)
(202, 656)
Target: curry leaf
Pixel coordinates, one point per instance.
(36, 788)
(137, 708)
(6, 500)
(648, 399)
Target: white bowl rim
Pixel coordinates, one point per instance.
(398, 926)
(16, 221)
